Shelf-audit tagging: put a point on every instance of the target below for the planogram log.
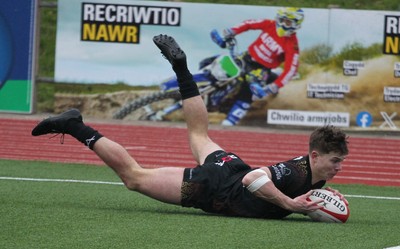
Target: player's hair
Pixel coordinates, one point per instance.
(329, 139)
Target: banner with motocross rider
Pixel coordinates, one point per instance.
(255, 65)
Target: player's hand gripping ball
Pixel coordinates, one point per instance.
(333, 209)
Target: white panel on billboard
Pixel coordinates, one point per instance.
(308, 118)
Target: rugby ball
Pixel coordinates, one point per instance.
(333, 209)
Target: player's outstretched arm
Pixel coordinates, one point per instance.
(258, 182)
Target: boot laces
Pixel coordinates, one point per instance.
(62, 135)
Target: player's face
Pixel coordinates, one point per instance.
(327, 165)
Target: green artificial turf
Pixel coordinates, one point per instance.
(47, 214)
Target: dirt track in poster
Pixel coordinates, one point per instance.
(366, 92)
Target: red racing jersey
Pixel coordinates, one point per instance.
(270, 50)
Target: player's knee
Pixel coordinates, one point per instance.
(131, 180)
(131, 184)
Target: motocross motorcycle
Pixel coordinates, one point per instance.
(219, 79)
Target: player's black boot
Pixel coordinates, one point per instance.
(69, 122)
(177, 58)
(57, 124)
(171, 50)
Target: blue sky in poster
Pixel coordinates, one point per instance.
(141, 64)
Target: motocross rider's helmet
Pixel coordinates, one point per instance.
(288, 21)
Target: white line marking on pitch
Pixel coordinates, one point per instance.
(58, 180)
(373, 197)
(367, 178)
(120, 183)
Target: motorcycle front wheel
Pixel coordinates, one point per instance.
(149, 107)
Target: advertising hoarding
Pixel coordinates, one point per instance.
(111, 42)
(17, 60)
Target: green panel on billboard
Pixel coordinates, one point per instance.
(16, 96)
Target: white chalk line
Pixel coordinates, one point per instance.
(58, 180)
(368, 178)
(120, 183)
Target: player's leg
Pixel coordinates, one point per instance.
(163, 184)
(195, 112)
(196, 117)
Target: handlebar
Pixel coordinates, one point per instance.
(223, 43)
(216, 37)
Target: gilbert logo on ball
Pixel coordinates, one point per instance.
(333, 209)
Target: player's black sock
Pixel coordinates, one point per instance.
(187, 86)
(83, 133)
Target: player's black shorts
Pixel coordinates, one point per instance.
(211, 183)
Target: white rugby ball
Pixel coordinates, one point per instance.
(333, 209)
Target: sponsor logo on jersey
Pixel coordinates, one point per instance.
(223, 160)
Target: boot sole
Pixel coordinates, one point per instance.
(169, 48)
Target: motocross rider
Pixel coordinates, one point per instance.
(276, 44)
